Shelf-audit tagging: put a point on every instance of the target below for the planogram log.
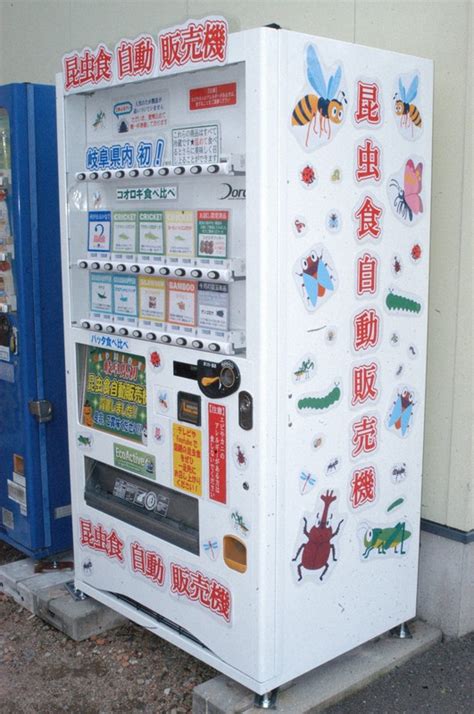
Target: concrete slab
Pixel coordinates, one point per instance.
(324, 686)
(45, 595)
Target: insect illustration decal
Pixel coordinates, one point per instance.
(381, 540)
(395, 302)
(415, 253)
(396, 265)
(315, 277)
(310, 403)
(84, 442)
(409, 114)
(317, 550)
(323, 109)
(299, 226)
(332, 466)
(239, 523)
(406, 202)
(306, 482)
(308, 176)
(305, 369)
(333, 221)
(401, 412)
(399, 472)
(99, 120)
(211, 548)
(240, 456)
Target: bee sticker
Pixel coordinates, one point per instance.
(318, 114)
(404, 192)
(315, 278)
(407, 113)
(401, 412)
(300, 226)
(333, 221)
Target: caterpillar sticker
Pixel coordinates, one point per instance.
(396, 302)
(310, 403)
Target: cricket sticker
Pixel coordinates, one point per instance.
(84, 441)
(406, 102)
(381, 541)
(315, 277)
(400, 415)
(404, 190)
(320, 108)
(305, 369)
(310, 404)
(316, 549)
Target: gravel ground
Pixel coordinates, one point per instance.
(129, 670)
(124, 670)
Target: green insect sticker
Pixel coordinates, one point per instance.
(396, 302)
(312, 403)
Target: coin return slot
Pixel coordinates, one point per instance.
(18, 465)
(235, 554)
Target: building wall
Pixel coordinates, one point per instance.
(35, 33)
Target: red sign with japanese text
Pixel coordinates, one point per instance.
(219, 95)
(217, 453)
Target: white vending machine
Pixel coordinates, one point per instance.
(245, 233)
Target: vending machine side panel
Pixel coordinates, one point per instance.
(355, 182)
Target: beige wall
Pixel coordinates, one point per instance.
(35, 33)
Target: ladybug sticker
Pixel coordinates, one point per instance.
(155, 360)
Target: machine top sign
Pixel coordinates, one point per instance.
(196, 44)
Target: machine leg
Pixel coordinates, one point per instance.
(267, 700)
(402, 631)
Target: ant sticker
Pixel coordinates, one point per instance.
(315, 277)
(332, 466)
(240, 456)
(399, 472)
(405, 105)
(318, 552)
(404, 192)
(401, 412)
(319, 113)
(87, 567)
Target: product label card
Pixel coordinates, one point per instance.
(180, 238)
(137, 462)
(150, 233)
(124, 232)
(125, 295)
(99, 231)
(182, 302)
(212, 230)
(152, 298)
(187, 459)
(213, 306)
(101, 294)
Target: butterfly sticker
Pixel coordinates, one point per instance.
(406, 202)
(318, 278)
(401, 412)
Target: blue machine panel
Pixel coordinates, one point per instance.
(34, 478)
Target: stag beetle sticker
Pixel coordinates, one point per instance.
(319, 550)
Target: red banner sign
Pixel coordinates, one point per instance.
(217, 453)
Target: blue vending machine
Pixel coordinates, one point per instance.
(35, 514)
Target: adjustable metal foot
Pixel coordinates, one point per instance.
(402, 631)
(267, 700)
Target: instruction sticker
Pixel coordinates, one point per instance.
(213, 306)
(142, 113)
(195, 145)
(101, 299)
(187, 459)
(180, 238)
(182, 302)
(217, 453)
(125, 232)
(152, 299)
(219, 95)
(150, 233)
(125, 296)
(212, 229)
(99, 231)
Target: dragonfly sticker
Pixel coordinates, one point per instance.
(306, 482)
(211, 548)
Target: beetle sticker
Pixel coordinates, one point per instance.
(240, 456)
(315, 277)
(318, 550)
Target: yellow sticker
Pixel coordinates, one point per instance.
(187, 459)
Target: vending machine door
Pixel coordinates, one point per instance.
(34, 492)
